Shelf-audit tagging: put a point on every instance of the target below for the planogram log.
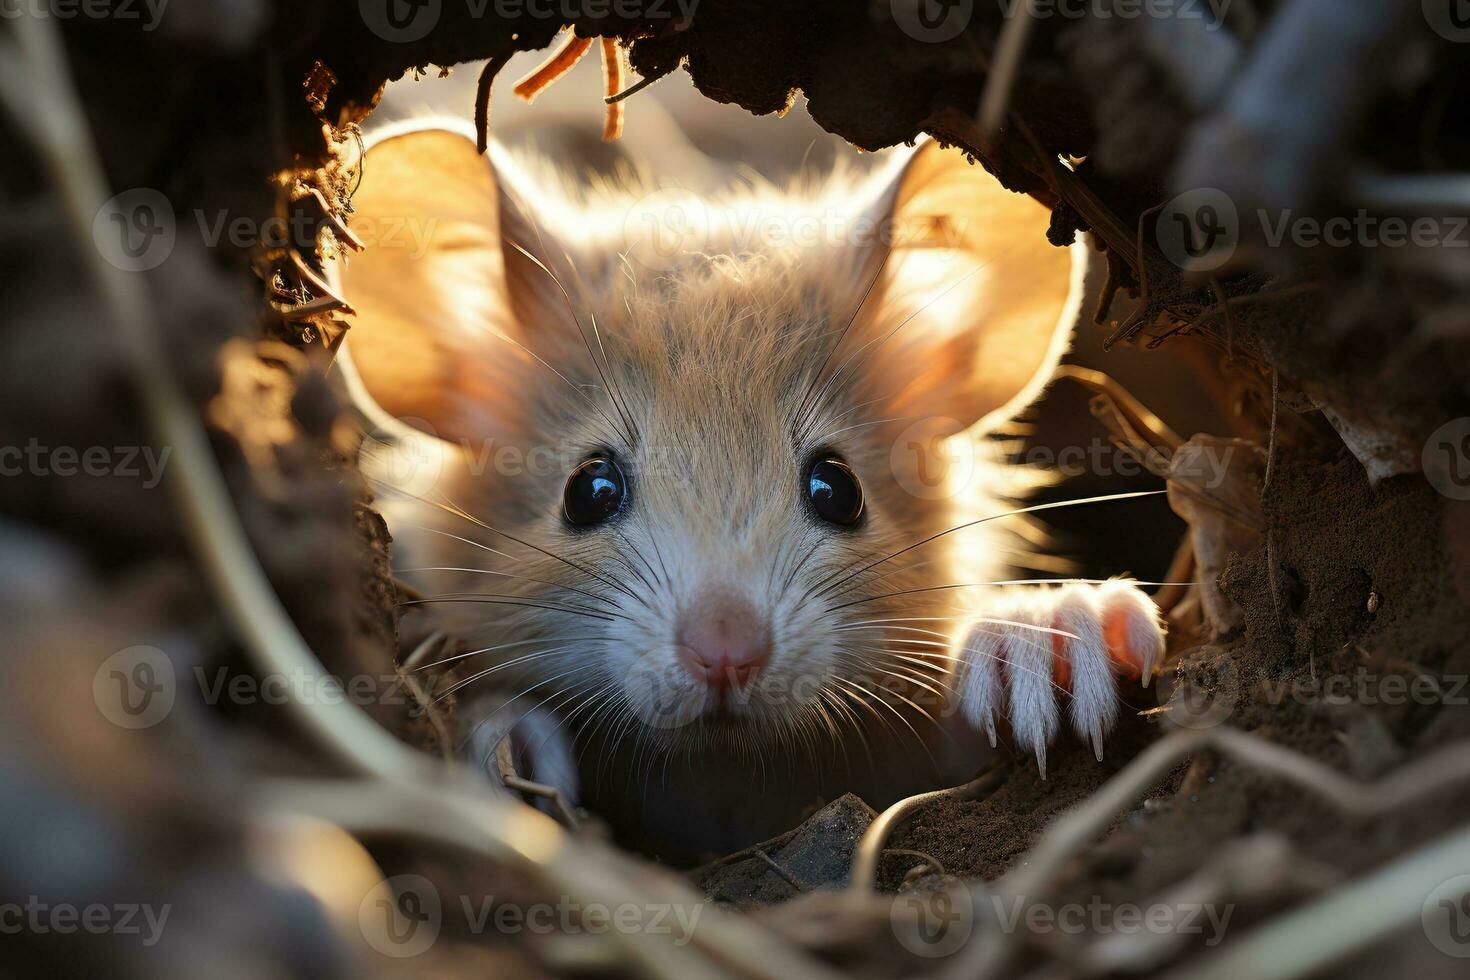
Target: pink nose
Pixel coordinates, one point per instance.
(724, 642)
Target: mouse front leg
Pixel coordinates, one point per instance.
(1035, 652)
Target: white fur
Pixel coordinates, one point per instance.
(1008, 667)
(709, 379)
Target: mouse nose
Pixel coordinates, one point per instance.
(724, 642)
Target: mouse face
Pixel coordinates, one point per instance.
(714, 505)
(688, 494)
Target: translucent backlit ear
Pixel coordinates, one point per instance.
(448, 309)
(975, 304)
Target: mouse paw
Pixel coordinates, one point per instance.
(1036, 648)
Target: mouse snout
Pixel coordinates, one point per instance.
(723, 641)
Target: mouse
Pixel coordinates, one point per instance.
(708, 486)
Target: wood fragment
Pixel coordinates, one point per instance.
(871, 847)
(482, 100)
(612, 84)
(561, 62)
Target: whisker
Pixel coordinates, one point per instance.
(608, 712)
(505, 665)
(1013, 665)
(807, 554)
(490, 670)
(889, 628)
(634, 550)
(848, 428)
(498, 599)
(576, 688)
(802, 410)
(911, 679)
(913, 619)
(591, 698)
(998, 584)
(537, 548)
(978, 619)
(898, 714)
(492, 649)
(522, 578)
(571, 308)
(928, 662)
(912, 566)
(845, 692)
(886, 337)
(1034, 508)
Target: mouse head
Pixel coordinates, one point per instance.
(687, 447)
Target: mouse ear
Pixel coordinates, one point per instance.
(972, 299)
(443, 290)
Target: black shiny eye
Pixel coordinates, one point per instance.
(832, 488)
(595, 492)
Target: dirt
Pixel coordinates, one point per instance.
(985, 837)
(1336, 541)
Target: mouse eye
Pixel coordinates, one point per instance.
(595, 491)
(832, 488)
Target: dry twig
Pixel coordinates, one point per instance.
(612, 83)
(1069, 834)
(563, 60)
(1308, 940)
(871, 847)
